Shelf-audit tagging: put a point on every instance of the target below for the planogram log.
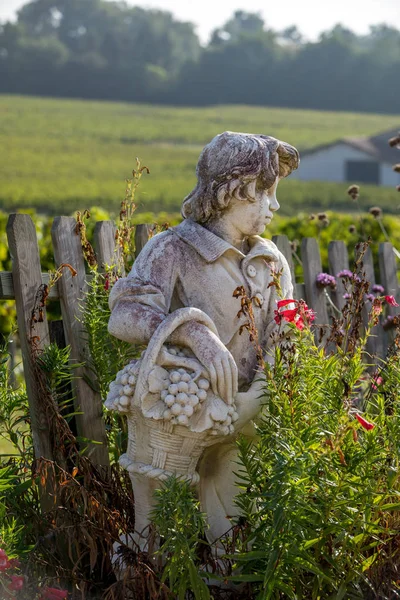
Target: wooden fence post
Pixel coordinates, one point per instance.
(90, 424)
(27, 278)
(388, 273)
(283, 244)
(375, 343)
(141, 238)
(104, 243)
(315, 295)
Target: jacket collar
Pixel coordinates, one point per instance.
(211, 247)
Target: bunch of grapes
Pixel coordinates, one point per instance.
(181, 391)
(183, 397)
(123, 388)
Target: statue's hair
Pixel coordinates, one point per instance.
(230, 166)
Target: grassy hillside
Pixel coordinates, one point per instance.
(60, 155)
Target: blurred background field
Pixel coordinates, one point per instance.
(57, 156)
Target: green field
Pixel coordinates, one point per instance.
(63, 155)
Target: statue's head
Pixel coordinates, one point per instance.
(233, 165)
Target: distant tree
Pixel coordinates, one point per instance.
(292, 36)
(108, 49)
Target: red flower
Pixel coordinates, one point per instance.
(299, 315)
(364, 423)
(391, 300)
(17, 582)
(53, 594)
(282, 303)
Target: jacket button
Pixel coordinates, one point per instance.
(260, 298)
(251, 271)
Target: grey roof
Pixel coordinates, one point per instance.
(376, 146)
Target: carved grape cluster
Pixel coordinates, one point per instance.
(183, 396)
(123, 388)
(182, 391)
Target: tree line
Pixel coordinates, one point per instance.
(109, 50)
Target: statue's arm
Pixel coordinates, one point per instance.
(141, 301)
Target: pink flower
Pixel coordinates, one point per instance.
(376, 381)
(391, 300)
(364, 423)
(17, 583)
(53, 594)
(4, 562)
(376, 308)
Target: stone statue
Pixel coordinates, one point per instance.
(196, 386)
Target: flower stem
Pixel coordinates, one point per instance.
(335, 308)
(386, 235)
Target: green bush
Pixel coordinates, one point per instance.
(320, 486)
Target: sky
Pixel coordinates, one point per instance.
(310, 16)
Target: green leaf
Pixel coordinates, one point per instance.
(366, 564)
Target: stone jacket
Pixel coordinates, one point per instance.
(188, 265)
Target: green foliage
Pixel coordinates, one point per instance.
(108, 355)
(180, 525)
(60, 155)
(318, 489)
(18, 498)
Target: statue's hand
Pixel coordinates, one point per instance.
(219, 363)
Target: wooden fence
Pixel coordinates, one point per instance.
(22, 284)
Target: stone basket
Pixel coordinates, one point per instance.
(171, 411)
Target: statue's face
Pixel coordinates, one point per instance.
(252, 217)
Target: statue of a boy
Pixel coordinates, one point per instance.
(199, 264)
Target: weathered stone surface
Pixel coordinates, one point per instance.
(197, 384)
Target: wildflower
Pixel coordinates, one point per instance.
(364, 423)
(311, 217)
(375, 211)
(345, 274)
(370, 297)
(17, 583)
(299, 315)
(391, 300)
(326, 280)
(53, 594)
(107, 282)
(354, 191)
(347, 296)
(4, 562)
(352, 228)
(322, 216)
(378, 289)
(376, 381)
(376, 308)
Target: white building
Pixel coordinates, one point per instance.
(352, 160)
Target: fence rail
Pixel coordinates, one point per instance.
(23, 282)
